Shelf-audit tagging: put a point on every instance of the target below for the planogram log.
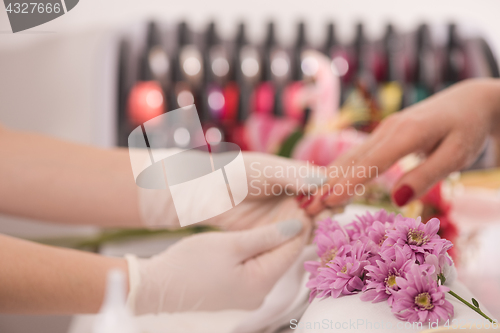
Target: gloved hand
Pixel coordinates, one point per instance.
(217, 270)
(271, 180)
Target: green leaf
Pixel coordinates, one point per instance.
(290, 143)
(476, 304)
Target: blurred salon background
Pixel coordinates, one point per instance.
(106, 67)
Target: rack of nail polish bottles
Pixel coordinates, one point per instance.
(263, 96)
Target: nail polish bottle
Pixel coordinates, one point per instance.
(339, 57)
(123, 124)
(275, 125)
(249, 70)
(300, 45)
(454, 59)
(295, 84)
(361, 107)
(237, 94)
(390, 91)
(359, 53)
(330, 41)
(187, 71)
(146, 99)
(157, 64)
(187, 77)
(264, 94)
(216, 68)
(425, 66)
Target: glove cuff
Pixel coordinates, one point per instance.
(155, 205)
(134, 280)
(156, 209)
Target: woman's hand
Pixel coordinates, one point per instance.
(217, 270)
(450, 129)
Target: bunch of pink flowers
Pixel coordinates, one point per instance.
(386, 258)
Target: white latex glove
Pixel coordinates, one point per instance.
(217, 270)
(265, 174)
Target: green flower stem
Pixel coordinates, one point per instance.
(93, 243)
(470, 305)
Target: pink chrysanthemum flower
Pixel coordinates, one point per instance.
(377, 233)
(442, 267)
(330, 245)
(358, 228)
(326, 226)
(420, 298)
(342, 276)
(312, 267)
(381, 278)
(440, 250)
(419, 237)
(331, 242)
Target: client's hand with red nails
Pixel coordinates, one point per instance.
(450, 129)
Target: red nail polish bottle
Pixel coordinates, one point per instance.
(146, 99)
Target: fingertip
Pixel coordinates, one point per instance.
(290, 228)
(402, 195)
(315, 207)
(305, 203)
(325, 196)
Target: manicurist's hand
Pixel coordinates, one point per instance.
(271, 180)
(450, 129)
(217, 270)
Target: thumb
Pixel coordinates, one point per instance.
(266, 268)
(447, 158)
(251, 243)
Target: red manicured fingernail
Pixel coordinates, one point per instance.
(301, 201)
(307, 202)
(403, 195)
(299, 197)
(325, 196)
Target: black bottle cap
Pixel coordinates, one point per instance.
(241, 38)
(211, 37)
(237, 75)
(423, 46)
(270, 36)
(183, 36)
(453, 39)
(153, 35)
(423, 37)
(239, 42)
(331, 39)
(123, 90)
(300, 43)
(359, 47)
(301, 36)
(153, 38)
(390, 49)
(452, 69)
(269, 44)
